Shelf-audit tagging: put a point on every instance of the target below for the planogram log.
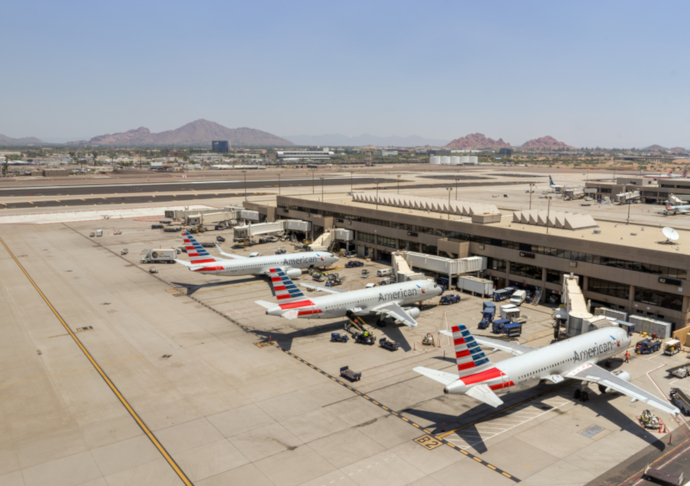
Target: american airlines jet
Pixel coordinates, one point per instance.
(573, 358)
(201, 261)
(388, 301)
(670, 175)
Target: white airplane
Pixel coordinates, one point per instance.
(554, 186)
(201, 261)
(574, 358)
(670, 175)
(378, 301)
(682, 209)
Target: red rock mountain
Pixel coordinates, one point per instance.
(655, 148)
(477, 141)
(199, 132)
(678, 149)
(547, 142)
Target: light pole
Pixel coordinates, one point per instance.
(449, 189)
(629, 204)
(245, 184)
(531, 184)
(279, 184)
(548, 213)
(351, 190)
(321, 188)
(398, 183)
(456, 188)
(377, 195)
(312, 180)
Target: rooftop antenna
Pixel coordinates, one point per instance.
(671, 235)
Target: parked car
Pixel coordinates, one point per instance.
(449, 299)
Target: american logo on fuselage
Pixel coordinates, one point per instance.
(399, 294)
(296, 261)
(595, 351)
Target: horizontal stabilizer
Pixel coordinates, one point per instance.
(436, 375)
(186, 264)
(266, 305)
(484, 394)
(229, 255)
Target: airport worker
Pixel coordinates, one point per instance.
(627, 356)
(366, 334)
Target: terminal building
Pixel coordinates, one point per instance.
(300, 155)
(652, 191)
(628, 268)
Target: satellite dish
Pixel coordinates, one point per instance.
(670, 234)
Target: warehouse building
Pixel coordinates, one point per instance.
(627, 268)
(652, 191)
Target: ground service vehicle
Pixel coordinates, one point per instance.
(503, 294)
(339, 338)
(671, 347)
(648, 346)
(365, 273)
(346, 372)
(487, 317)
(387, 281)
(160, 256)
(384, 272)
(99, 232)
(156, 226)
(518, 297)
(449, 299)
(353, 264)
(680, 400)
(388, 344)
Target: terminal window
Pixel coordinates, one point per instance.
(606, 287)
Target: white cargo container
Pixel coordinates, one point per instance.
(477, 285)
(510, 312)
(518, 297)
(160, 256)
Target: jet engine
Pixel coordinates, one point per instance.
(413, 311)
(294, 273)
(623, 375)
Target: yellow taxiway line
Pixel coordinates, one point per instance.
(105, 377)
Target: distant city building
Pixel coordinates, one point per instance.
(506, 151)
(220, 146)
(387, 153)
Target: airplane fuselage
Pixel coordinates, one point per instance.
(360, 301)
(263, 264)
(528, 370)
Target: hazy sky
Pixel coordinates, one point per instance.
(589, 73)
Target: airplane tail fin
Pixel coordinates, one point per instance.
(468, 355)
(685, 173)
(197, 254)
(551, 181)
(284, 288)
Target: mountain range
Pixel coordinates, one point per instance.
(197, 133)
(476, 141)
(9, 141)
(659, 148)
(338, 140)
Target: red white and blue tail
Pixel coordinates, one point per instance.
(283, 286)
(469, 356)
(685, 173)
(197, 254)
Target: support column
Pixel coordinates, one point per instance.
(631, 300)
(543, 279)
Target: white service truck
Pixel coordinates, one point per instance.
(518, 297)
(159, 256)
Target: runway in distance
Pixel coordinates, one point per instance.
(383, 302)
(574, 358)
(201, 261)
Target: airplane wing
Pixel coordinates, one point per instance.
(229, 255)
(441, 376)
(484, 394)
(513, 348)
(396, 312)
(595, 374)
(320, 288)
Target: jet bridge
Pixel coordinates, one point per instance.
(251, 230)
(579, 319)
